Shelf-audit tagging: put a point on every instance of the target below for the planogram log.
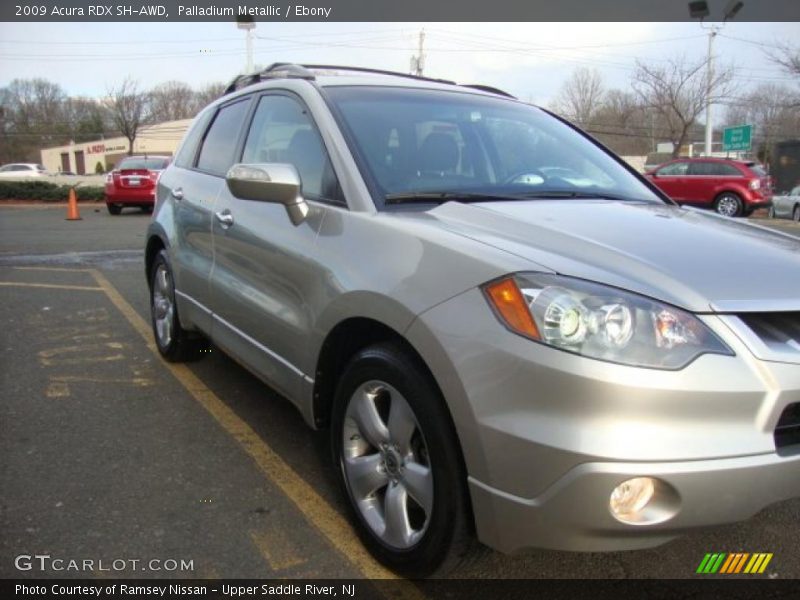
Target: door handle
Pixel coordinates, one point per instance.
(177, 193)
(225, 218)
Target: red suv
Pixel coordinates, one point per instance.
(133, 183)
(732, 187)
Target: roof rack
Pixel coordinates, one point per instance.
(377, 72)
(295, 71)
(274, 71)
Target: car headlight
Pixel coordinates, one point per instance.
(600, 322)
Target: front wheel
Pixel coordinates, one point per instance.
(399, 463)
(114, 209)
(729, 205)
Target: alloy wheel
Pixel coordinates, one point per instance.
(386, 465)
(163, 306)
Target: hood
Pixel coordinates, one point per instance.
(690, 258)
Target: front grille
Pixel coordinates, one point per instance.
(787, 432)
(780, 331)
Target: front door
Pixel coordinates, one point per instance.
(265, 268)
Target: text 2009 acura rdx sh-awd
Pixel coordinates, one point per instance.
(506, 330)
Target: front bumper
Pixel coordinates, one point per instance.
(547, 435)
(573, 513)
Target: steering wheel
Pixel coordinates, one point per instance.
(526, 177)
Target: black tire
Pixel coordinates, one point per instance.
(178, 345)
(440, 538)
(147, 208)
(796, 213)
(729, 204)
(114, 209)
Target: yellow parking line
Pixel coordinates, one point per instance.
(65, 269)
(316, 510)
(52, 286)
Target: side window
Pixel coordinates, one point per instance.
(674, 169)
(729, 170)
(216, 155)
(703, 169)
(188, 150)
(282, 132)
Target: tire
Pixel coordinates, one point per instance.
(413, 467)
(796, 213)
(771, 213)
(114, 209)
(147, 208)
(729, 204)
(173, 342)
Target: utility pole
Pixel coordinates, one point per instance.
(249, 42)
(698, 9)
(248, 24)
(418, 61)
(712, 33)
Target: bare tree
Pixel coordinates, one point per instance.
(171, 101)
(129, 109)
(33, 116)
(623, 124)
(207, 95)
(581, 96)
(787, 57)
(677, 90)
(772, 111)
(87, 118)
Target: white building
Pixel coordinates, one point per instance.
(83, 158)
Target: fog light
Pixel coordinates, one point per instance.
(632, 496)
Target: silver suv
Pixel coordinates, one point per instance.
(508, 331)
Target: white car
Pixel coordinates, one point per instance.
(22, 171)
(786, 206)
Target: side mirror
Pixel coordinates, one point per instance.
(269, 182)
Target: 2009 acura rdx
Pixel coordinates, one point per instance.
(507, 330)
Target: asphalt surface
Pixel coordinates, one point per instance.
(107, 453)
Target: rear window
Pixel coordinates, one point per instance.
(757, 169)
(141, 162)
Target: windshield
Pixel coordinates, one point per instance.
(140, 162)
(416, 143)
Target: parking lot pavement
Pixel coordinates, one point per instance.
(108, 453)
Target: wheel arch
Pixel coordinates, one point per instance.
(342, 342)
(155, 244)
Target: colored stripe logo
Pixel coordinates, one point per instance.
(735, 563)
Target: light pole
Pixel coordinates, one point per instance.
(248, 24)
(699, 10)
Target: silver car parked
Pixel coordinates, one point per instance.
(786, 206)
(499, 351)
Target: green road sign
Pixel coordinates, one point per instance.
(737, 138)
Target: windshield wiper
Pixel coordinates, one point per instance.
(441, 197)
(577, 194)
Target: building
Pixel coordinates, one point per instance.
(84, 158)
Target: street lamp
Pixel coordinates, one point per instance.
(699, 10)
(248, 24)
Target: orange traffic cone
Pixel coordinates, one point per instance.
(72, 206)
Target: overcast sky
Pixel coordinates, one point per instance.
(530, 60)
